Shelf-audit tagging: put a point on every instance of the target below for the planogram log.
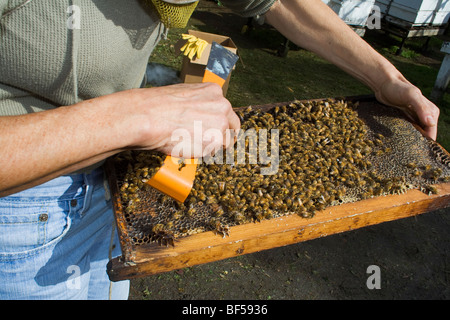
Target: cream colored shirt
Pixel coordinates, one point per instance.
(59, 52)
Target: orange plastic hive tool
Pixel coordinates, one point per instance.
(176, 180)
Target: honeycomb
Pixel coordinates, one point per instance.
(330, 152)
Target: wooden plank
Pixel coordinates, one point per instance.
(208, 247)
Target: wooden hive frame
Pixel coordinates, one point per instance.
(149, 259)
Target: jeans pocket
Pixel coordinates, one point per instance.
(28, 227)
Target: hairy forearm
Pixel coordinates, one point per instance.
(40, 146)
(312, 25)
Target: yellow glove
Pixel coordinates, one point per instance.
(194, 46)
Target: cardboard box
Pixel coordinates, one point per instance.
(192, 71)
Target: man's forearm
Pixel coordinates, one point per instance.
(312, 25)
(41, 146)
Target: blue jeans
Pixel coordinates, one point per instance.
(56, 239)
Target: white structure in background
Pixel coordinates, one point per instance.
(354, 12)
(416, 13)
(414, 18)
(443, 77)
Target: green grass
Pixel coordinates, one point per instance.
(262, 77)
(444, 123)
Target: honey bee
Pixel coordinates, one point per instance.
(429, 190)
(165, 238)
(239, 217)
(435, 174)
(177, 215)
(361, 182)
(378, 142)
(124, 186)
(202, 196)
(377, 191)
(169, 225)
(417, 173)
(157, 227)
(411, 165)
(191, 211)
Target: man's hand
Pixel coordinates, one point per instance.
(401, 94)
(168, 115)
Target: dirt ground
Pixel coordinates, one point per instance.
(413, 255)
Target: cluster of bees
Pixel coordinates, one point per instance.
(330, 152)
